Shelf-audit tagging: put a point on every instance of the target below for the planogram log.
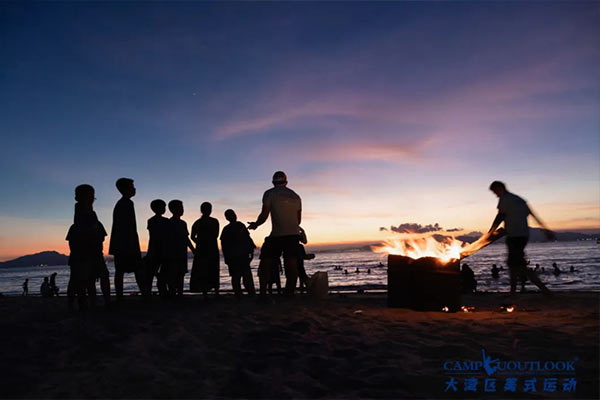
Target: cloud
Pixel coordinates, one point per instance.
(454, 230)
(411, 227)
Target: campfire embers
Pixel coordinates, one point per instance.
(424, 284)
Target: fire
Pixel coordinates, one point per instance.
(446, 249)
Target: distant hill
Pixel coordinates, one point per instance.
(48, 258)
(537, 235)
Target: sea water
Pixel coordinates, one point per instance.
(584, 256)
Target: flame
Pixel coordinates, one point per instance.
(447, 249)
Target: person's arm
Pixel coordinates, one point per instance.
(549, 234)
(497, 221)
(191, 245)
(262, 217)
(299, 216)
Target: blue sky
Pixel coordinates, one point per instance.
(380, 113)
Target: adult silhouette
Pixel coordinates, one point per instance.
(513, 211)
(205, 269)
(285, 208)
(124, 241)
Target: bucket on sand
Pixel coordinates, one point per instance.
(318, 285)
(424, 284)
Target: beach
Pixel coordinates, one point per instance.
(345, 346)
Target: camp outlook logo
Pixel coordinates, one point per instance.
(490, 374)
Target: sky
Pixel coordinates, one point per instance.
(380, 113)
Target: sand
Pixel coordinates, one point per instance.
(341, 347)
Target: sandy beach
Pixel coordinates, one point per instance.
(343, 347)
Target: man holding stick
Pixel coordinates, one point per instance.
(513, 211)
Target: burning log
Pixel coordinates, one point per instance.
(424, 284)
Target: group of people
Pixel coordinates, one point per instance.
(169, 241)
(48, 287)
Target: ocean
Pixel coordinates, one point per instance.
(584, 256)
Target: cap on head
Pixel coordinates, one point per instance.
(279, 178)
(497, 185)
(123, 184)
(230, 215)
(83, 191)
(206, 208)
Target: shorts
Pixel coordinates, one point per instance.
(238, 269)
(127, 262)
(100, 270)
(516, 252)
(273, 247)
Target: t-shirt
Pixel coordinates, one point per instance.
(123, 236)
(177, 241)
(285, 204)
(515, 211)
(158, 227)
(236, 243)
(86, 237)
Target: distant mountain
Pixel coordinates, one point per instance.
(48, 258)
(537, 235)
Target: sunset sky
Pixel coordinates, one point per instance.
(380, 113)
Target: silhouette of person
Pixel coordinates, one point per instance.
(158, 228)
(26, 287)
(176, 255)
(495, 272)
(205, 269)
(368, 270)
(303, 277)
(275, 269)
(513, 211)
(86, 259)
(45, 290)
(537, 268)
(285, 208)
(572, 269)
(124, 241)
(357, 270)
(556, 270)
(238, 251)
(345, 272)
(53, 286)
(469, 284)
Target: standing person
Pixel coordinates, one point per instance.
(53, 286)
(205, 269)
(26, 287)
(285, 208)
(302, 255)
(176, 258)
(124, 241)
(158, 227)
(513, 211)
(86, 242)
(238, 251)
(45, 290)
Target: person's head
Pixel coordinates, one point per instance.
(498, 188)
(158, 206)
(230, 215)
(46, 279)
(125, 187)
(84, 194)
(54, 274)
(279, 178)
(206, 208)
(493, 265)
(176, 208)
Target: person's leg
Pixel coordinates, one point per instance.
(264, 277)
(249, 281)
(515, 261)
(291, 274)
(119, 284)
(236, 284)
(91, 292)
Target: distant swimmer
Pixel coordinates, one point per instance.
(369, 271)
(537, 267)
(572, 269)
(557, 270)
(345, 272)
(357, 271)
(380, 265)
(495, 272)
